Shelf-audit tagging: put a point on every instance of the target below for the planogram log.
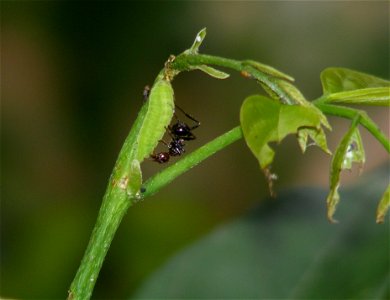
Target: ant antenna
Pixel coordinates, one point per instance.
(189, 117)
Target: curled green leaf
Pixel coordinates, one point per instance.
(383, 206)
(341, 79)
(212, 72)
(264, 120)
(350, 150)
(379, 96)
(198, 41)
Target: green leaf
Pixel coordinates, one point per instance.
(341, 79)
(212, 72)
(350, 150)
(197, 42)
(285, 249)
(264, 120)
(369, 96)
(318, 138)
(268, 70)
(383, 206)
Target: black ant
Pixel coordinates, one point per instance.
(179, 132)
(175, 148)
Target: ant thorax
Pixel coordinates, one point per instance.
(176, 147)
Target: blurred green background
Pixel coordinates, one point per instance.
(71, 86)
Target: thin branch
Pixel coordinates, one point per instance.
(350, 113)
(161, 179)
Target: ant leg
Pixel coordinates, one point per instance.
(169, 130)
(189, 117)
(164, 142)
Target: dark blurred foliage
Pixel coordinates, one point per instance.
(72, 75)
(280, 251)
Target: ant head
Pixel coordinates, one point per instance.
(161, 157)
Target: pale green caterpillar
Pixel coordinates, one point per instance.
(157, 118)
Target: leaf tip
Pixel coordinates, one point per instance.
(198, 40)
(332, 220)
(212, 72)
(332, 201)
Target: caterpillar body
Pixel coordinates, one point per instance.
(157, 118)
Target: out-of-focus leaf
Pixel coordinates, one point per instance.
(369, 96)
(286, 249)
(383, 206)
(336, 80)
(349, 150)
(212, 72)
(264, 120)
(268, 70)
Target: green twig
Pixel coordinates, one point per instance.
(114, 206)
(187, 62)
(364, 120)
(164, 177)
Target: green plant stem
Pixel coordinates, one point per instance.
(164, 177)
(364, 120)
(115, 204)
(187, 62)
